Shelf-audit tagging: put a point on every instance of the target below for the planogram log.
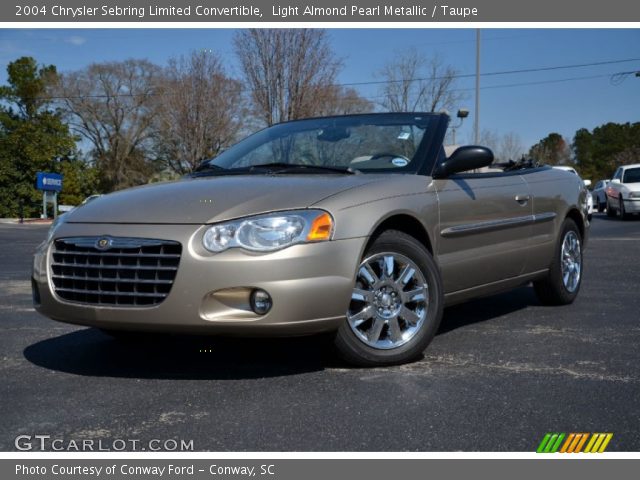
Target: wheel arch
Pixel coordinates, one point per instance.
(575, 215)
(405, 223)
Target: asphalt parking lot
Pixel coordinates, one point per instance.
(501, 373)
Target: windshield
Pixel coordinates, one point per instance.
(631, 175)
(357, 143)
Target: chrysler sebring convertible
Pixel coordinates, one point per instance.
(361, 225)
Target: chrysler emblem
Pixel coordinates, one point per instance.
(103, 243)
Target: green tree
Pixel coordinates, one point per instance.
(600, 152)
(32, 135)
(80, 181)
(551, 150)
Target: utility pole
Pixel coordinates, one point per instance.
(476, 120)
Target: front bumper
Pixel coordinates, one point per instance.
(632, 205)
(310, 286)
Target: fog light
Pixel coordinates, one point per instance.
(260, 302)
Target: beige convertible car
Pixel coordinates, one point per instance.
(359, 225)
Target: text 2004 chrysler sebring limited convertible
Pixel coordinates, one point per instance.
(355, 224)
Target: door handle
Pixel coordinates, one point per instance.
(523, 199)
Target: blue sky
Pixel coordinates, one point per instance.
(531, 111)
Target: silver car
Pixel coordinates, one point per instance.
(359, 225)
(599, 194)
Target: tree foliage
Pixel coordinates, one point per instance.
(287, 72)
(511, 147)
(33, 136)
(504, 147)
(595, 154)
(600, 152)
(111, 105)
(79, 181)
(551, 150)
(415, 82)
(338, 100)
(198, 113)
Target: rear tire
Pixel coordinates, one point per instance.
(396, 304)
(601, 207)
(562, 284)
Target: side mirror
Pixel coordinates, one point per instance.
(615, 180)
(464, 159)
(587, 183)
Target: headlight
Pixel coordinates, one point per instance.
(274, 231)
(634, 194)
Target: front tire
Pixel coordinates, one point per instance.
(396, 305)
(611, 212)
(562, 284)
(623, 214)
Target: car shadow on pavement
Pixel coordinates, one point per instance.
(92, 353)
(630, 218)
(487, 308)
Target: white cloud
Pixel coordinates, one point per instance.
(75, 40)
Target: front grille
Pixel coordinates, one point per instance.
(114, 270)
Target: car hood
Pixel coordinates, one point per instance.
(214, 199)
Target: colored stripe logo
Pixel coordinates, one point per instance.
(574, 443)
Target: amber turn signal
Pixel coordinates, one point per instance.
(321, 228)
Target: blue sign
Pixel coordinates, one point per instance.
(49, 181)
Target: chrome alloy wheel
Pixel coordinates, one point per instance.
(571, 261)
(390, 301)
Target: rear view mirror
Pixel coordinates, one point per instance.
(615, 180)
(464, 159)
(333, 134)
(587, 183)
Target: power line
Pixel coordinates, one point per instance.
(522, 84)
(618, 78)
(489, 74)
(380, 82)
(542, 82)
